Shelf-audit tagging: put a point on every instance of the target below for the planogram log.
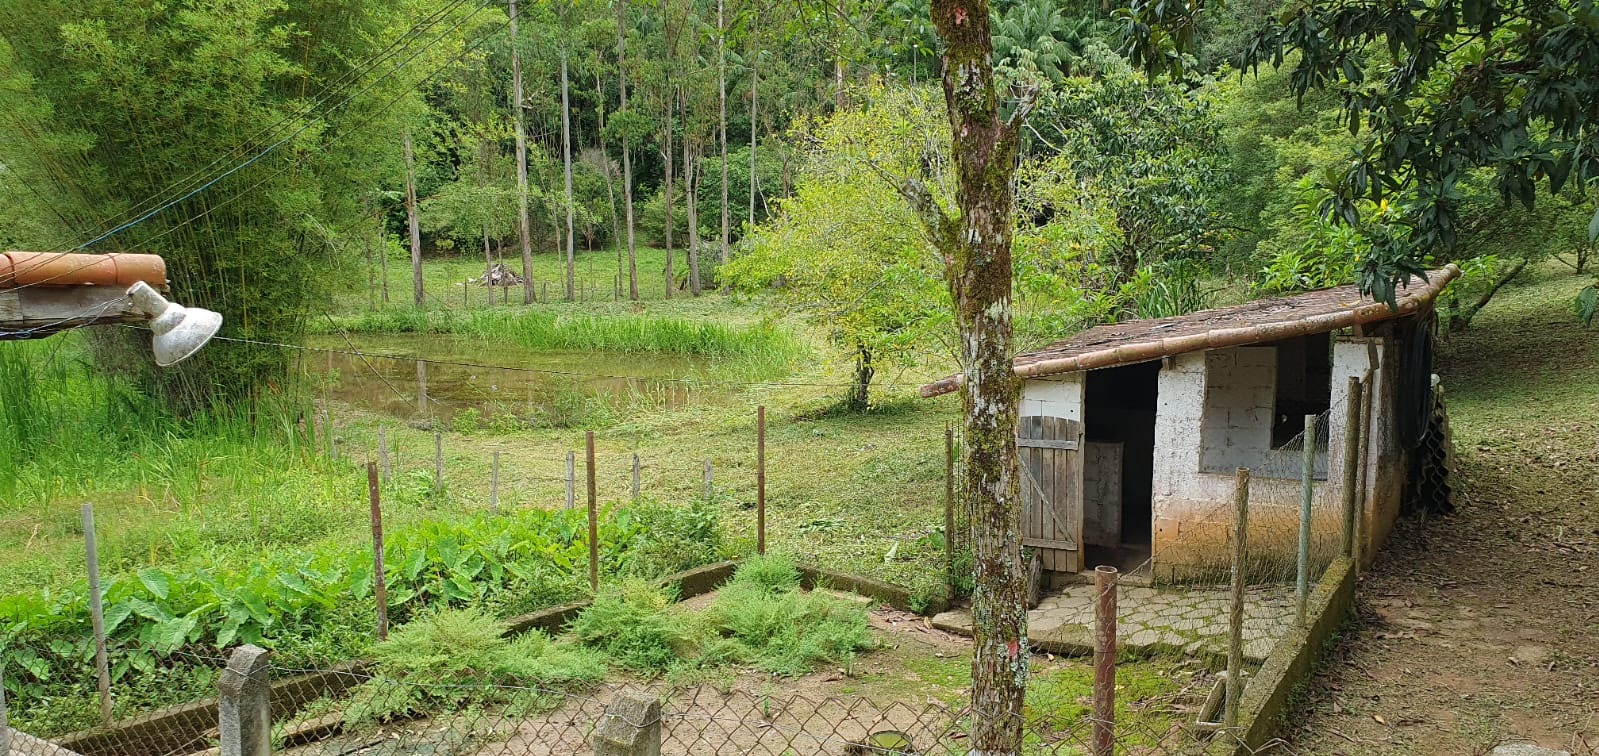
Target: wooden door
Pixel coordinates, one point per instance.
(1051, 467)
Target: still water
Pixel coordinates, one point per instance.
(500, 381)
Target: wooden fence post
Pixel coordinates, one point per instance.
(706, 474)
(1235, 614)
(244, 704)
(1105, 581)
(1307, 491)
(380, 590)
(421, 387)
(635, 476)
(760, 480)
(1368, 395)
(97, 613)
(594, 516)
(1351, 464)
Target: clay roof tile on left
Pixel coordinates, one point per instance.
(70, 269)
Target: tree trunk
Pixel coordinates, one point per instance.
(627, 156)
(566, 157)
(754, 52)
(610, 183)
(859, 399)
(523, 223)
(721, 81)
(691, 186)
(383, 260)
(977, 251)
(671, 201)
(1462, 318)
(412, 223)
(371, 268)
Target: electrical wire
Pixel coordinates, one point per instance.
(330, 90)
(259, 156)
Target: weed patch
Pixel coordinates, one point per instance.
(452, 659)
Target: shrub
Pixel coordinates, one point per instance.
(632, 626)
(460, 657)
(762, 618)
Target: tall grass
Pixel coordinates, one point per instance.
(224, 478)
(538, 330)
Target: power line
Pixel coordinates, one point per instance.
(343, 83)
(293, 163)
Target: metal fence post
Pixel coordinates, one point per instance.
(97, 614)
(571, 479)
(5, 726)
(1351, 466)
(760, 480)
(1235, 615)
(494, 484)
(244, 704)
(1105, 580)
(594, 516)
(438, 461)
(635, 476)
(630, 726)
(1307, 490)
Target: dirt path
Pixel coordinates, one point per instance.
(1482, 628)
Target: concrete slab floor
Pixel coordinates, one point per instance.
(1191, 621)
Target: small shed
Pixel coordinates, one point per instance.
(1129, 433)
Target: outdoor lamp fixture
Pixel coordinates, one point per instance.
(178, 331)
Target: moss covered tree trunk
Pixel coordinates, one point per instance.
(977, 254)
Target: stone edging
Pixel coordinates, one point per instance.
(1291, 663)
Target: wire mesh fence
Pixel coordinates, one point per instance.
(348, 712)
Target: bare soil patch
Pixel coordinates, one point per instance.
(1482, 628)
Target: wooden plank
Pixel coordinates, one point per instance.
(1043, 443)
(1049, 543)
(54, 308)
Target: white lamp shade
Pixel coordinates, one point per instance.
(177, 331)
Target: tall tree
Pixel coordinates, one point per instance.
(525, 233)
(566, 159)
(721, 100)
(976, 247)
(627, 155)
(412, 223)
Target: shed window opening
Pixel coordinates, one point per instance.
(1303, 387)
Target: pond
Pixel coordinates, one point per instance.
(501, 382)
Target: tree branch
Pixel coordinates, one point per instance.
(935, 221)
(1026, 101)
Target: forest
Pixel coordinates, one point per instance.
(755, 143)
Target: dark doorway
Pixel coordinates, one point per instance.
(1119, 423)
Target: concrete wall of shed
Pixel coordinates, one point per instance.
(1197, 446)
